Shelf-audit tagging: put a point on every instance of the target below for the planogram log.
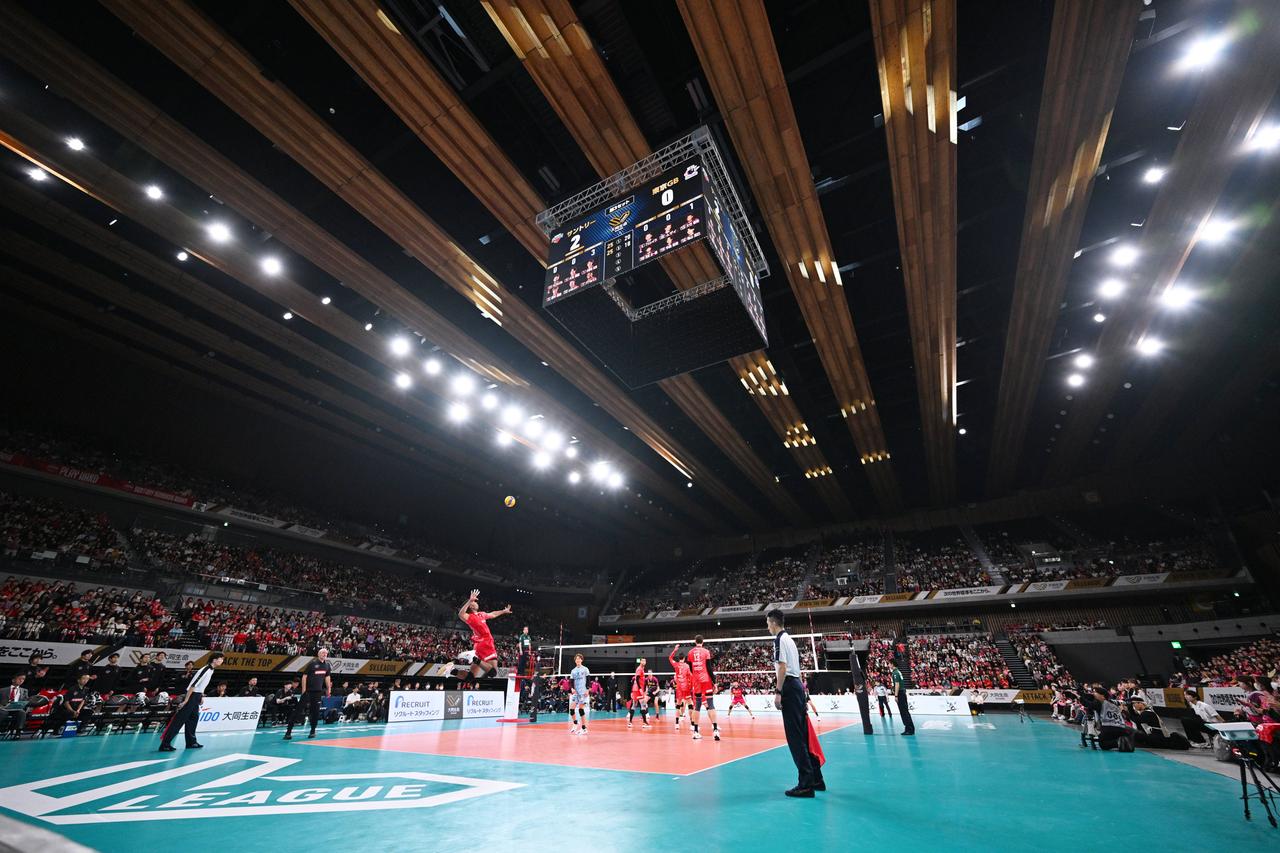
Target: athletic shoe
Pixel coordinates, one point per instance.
(288, 737)
(820, 785)
(195, 746)
(628, 724)
(697, 735)
(797, 791)
(646, 726)
(909, 734)
(166, 748)
(715, 733)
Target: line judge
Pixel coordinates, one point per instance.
(789, 697)
(188, 714)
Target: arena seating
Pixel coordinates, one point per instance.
(1257, 661)
(31, 527)
(1040, 660)
(937, 559)
(865, 550)
(942, 662)
(37, 609)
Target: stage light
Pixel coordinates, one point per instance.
(575, 477)
(288, 315)
(75, 143)
(463, 384)
(37, 174)
(963, 431)
(533, 428)
(512, 415)
(1217, 230)
(615, 480)
(600, 471)
(182, 256)
(1154, 175)
(154, 193)
(553, 440)
(218, 232)
(458, 412)
(542, 459)
(571, 452)
(1123, 256)
(1099, 317)
(1075, 380)
(1177, 298)
(1202, 53)
(404, 381)
(1265, 138)
(400, 346)
(1111, 288)
(432, 366)
(489, 402)
(689, 485)
(368, 327)
(272, 266)
(324, 300)
(1150, 346)
(504, 439)
(1084, 361)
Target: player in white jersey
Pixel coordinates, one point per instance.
(580, 698)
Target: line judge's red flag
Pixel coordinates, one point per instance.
(815, 747)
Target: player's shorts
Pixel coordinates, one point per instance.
(580, 697)
(739, 700)
(682, 695)
(702, 688)
(486, 650)
(636, 695)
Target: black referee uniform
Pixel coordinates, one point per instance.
(795, 720)
(187, 717)
(315, 685)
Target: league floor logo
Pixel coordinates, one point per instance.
(254, 789)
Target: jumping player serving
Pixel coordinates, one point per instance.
(703, 686)
(485, 661)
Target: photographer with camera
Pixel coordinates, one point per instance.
(1113, 733)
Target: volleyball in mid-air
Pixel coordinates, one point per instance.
(509, 500)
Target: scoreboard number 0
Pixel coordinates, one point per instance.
(668, 196)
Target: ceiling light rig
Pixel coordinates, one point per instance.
(1264, 140)
(1216, 230)
(1203, 53)
(1111, 288)
(1150, 346)
(37, 174)
(1154, 175)
(1123, 256)
(1177, 298)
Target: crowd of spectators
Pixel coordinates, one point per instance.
(865, 553)
(31, 527)
(1257, 661)
(936, 561)
(1040, 659)
(941, 662)
(59, 611)
(751, 664)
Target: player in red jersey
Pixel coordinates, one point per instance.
(703, 686)
(738, 699)
(683, 685)
(485, 661)
(638, 687)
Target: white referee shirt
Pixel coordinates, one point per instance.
(784, 650)
(200, 683)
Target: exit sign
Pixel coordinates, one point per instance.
(1176, 644)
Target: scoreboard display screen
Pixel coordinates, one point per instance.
(666, 214)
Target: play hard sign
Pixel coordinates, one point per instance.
(233, 785)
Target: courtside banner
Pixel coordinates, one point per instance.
(666, 614)
(174, 658)
(896, 596)
(230, 713)
(866, 599)
(483, 703)
(244, 662)
(93, 478)
(809, 603)
(245, 515)
(1223, 699)
(948, 706)
(1141, 580)
(993, 697)
(780, 605)
(1045, 586)
(352, 666)
(1036, 697)
(1166, 697)
(967, 592)
(1087, 583)
(734, 608)
(411, 706)
(54, 654)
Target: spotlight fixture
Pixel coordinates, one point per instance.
(575, 477)
(489, 402)
(1154, 175)
(533, 428)
(288, 315)
(75, 143)
(154, 193)
(1111, 288)
(272, 266)
(504, 439)
(1099, 317)
(432, 366)
(542, 459)
(963, 431)
(1123, 256)
(571, 452)
(615, 480)
(37, 174)
(1176, 297)
(1150, 346)
(400, 346)
(458, 412)
(1202, 53)
(324, 300)
(1265, 138)
(182, 256)
(1217, 230)
(553, 440)
(463, 384)
(512, 415)
(689, 485)
(1083, 361)
(1075, 380)
(368, 327)
(404, 381)
(600, 471)
(218, 232)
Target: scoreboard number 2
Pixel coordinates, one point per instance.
(574, 243)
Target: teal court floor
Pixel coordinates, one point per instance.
(987, 784)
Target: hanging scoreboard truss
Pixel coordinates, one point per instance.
(675, 198)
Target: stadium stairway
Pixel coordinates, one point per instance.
(890, 569)
(1021, 675)
(980, 551)
(810, 567)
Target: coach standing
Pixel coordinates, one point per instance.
(789, 697)
(317, 683)
(188, 714)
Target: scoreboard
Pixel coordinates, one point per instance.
(665, 214)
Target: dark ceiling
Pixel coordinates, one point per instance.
(829, 57)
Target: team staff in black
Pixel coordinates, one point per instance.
(789, 697)
(108, 681)
(187, 717)
(82, 666)
(317, 683)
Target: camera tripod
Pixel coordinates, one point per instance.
(1265, 792)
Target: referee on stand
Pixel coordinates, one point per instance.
(790, 698)
(188, 714)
